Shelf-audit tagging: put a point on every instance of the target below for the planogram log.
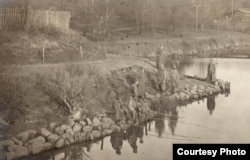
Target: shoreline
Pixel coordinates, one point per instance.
(60, 135)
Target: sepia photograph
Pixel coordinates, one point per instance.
(124, 79)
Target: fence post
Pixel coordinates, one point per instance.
(43, 56)
(81, 52)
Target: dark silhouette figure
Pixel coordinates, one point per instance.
(160, 125)
(211, 104)
(133, 134)
(173, 118)
(211, 71)
(117, 142)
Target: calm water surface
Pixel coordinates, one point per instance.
(219, 119)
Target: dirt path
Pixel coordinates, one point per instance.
(112, 62)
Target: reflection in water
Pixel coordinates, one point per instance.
(117, 141)
(160, 124)
(133, 134)
(75, 153)
(211, 104)
(173, 118)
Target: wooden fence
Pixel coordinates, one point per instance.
(12, 18)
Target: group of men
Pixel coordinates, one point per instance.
(137, 105)
(161, 75)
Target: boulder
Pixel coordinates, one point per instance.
(108, 131)
(83, 123)
(32, 132)
(59, 130)
(47, 146)
(96, 122)
(70, 131)
(97, 128)
(53, 138)
(87, 129)
(69, 138)
(16, 141)
(20, 151)
(39, 139)
(107, 120)
(70, 122)
(44, 132)
(65, 126)
(60, 156)
(10, 155)
(37, 148)
(77, 127)
(24, 136)
(96, 134)
(80, 137)
(115, 128)
(59, 143)
(89, 122)
(6, 143)
(105, 125)
(52, 126)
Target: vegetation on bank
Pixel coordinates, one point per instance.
(48, 45)
(33, 99)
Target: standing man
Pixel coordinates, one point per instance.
(159, 57)
(134, 89)
(211, 71)
(174, 78)
(175, 59)
(161, 78)
(117, 108)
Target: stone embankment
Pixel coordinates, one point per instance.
(195, 92)
(55, 136)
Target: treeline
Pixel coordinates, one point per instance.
(106, 16)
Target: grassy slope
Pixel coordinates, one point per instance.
(26, 48)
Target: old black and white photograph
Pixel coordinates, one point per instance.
(122, 79)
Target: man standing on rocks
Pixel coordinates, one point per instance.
(175, 59)
(161, 78)
(211, 71)
(116, 106)
(174, 78)
(134, 89)
(159, 57)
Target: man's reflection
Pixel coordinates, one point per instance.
(160, 124)
(173, 118)
(133, 134)
(211, 104)
(117, 141)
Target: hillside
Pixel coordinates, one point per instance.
(19, 47)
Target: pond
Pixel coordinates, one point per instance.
(217, 119)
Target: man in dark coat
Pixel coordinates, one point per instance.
(175, 59)
(211, 72)
(161, 78)
(117, 108)
(174, 78)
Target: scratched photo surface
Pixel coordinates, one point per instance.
(121, 79)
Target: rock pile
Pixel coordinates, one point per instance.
(33, 142)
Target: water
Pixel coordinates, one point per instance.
(218, 119)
